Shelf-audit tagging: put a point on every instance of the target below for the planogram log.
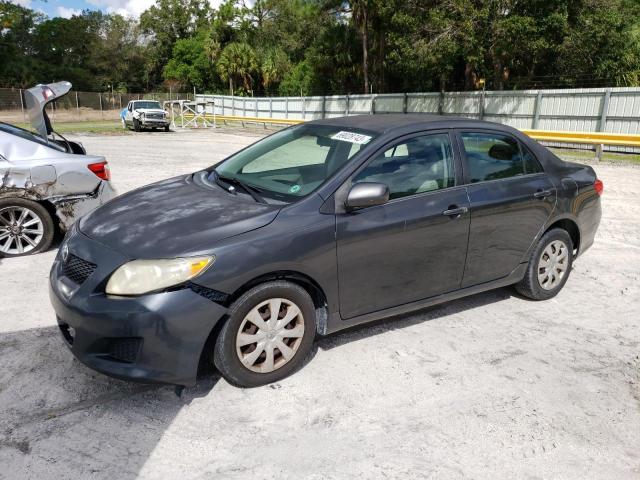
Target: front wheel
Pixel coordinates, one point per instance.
(166, 128)
(25, 227)
(268, 334)
(136, 125)
(549, 266)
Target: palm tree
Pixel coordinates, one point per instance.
(275, 64)
(237, 61)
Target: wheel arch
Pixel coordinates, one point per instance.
(571, 227)
(312, 287)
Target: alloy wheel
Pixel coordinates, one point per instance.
(21, 230)
(270, 335)
(553, 265)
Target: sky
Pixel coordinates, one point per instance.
(67, 8)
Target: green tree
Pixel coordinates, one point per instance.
(237, 64)
(274, 66)
(165, 23)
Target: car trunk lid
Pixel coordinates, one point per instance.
(37, 98)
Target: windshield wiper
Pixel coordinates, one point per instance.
(247, 188)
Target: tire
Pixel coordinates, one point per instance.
(36, 228)
(136, 125)
(257, 371)
(541, 282)
(166, 128)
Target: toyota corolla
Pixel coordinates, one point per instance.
(316, 228)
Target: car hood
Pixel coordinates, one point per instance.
(173, 218)
(37, 98)
(149, 110)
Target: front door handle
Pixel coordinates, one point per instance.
(543, 193)
(455, 211)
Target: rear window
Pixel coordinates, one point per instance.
(493, 156)
(27, 135)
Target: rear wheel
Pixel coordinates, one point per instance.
(269, 333)
(25, 227)
(549, 266)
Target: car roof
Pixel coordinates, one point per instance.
(386, 122)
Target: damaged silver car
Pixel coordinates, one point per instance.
(46, 181)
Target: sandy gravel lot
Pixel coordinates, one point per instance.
(491, 386)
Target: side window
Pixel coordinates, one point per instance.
(418, 165)
(492, 156)
(531, 163)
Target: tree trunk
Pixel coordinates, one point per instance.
(469, 77)
(365, 48)
(231, 85)
(381, 51)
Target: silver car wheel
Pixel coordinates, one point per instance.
(270, 335)
(21, 230)
(553, 265)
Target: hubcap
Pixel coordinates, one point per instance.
(270, 335)
(553, 265)
(21, 230)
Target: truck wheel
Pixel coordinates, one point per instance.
(166, 128)
(25, 227)
(136, 125)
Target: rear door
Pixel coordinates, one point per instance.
(412, 247)
(511, 198)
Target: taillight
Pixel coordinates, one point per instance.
(101, 170)
(599, 186)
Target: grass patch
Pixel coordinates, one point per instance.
(106, 126)
(572, 154)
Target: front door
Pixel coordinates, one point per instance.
(511, 199)
(407, 249)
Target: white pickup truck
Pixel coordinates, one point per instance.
(141, 114)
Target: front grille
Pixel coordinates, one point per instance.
(125, 349)
(154, 116)
(77, 269)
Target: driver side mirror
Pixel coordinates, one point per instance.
(367, 194)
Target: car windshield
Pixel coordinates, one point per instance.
(148, 104)
(294, 162)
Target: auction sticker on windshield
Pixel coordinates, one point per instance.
(351, 137)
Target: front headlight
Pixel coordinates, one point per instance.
(143, 276)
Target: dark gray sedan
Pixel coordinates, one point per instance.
(317, 228)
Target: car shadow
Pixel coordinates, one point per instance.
(399, 322)
(53, 407)
(58, 416)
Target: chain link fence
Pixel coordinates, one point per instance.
(79, 106)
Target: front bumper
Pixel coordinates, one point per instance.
(153, 122)
(155, 338)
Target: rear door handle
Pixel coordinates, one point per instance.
(543, 193)
(455, 212)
